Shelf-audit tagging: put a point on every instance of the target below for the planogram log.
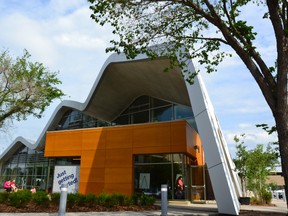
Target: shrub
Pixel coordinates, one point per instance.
(135, 198)
(20, 198)
(118, 199)
(4, 197)
(71, 199)
(80, 199)
(255, 201)
(122, 199)
(91, 199)
(128, 200)
(267, 197)
(40, 198)
(102, 199)
(147, 200)
(114, 200)
(109, 202)
(55, 198)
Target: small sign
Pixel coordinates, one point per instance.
(68, 175)
(144, 182)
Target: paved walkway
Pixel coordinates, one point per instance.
(280, 207)
(174, 209)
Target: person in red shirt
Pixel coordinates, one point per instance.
(180, 183)
(7, 186)
(179, 188)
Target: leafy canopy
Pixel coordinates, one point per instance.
(26, 88)
(177, 24)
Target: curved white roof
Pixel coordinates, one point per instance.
(119, 83)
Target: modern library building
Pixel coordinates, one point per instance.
(138, 129)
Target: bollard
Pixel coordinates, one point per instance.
(63, 200)
(164, 200)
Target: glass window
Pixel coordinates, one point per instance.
(182, 112)
(144, 109)
(192, 123)
(148, 179)
(158, 158)
(75, 116)
(75, 120)
(150, 171)
(22, 158)
(67, 161)
(7, 171)
(23, 150)
(31, 158)
(162, 114)
(102, 123)
(64, 122)
(29, 170)
(15, 170)
(14, 159)
(140, 103)
(122, 120)
(89, 122)
(140, 117)
(158, 103)
(30, 167)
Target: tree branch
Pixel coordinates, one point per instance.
(282, 45)
(276, 23)
(256, 73)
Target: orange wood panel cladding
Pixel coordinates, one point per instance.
(107, 153)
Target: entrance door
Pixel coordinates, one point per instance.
(198, 191)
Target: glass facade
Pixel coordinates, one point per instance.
(151, 171)
(74, 119)
(147, 109)
(29, 168)
(143, 110)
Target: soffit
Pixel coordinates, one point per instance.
(121, 83)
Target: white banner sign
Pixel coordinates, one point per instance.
(144, 182)
(66, 175)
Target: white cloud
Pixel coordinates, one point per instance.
(253, 136)
(68, 42)
(24, 33)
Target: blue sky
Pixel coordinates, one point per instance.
(60, 34)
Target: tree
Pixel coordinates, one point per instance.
(254, 166)
(143, 23)
(26, 88)
(240, 161)
(259, 165)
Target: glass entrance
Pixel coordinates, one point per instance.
(198, 190)
(150, 171)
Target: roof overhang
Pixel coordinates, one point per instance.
(122, 82)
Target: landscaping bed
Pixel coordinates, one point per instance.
(25, 201)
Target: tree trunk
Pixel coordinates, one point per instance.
(283, 148)
(281, 112)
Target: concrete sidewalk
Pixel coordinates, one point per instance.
(175, 208)
(280, 207)
(210, 207)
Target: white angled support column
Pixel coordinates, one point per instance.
(226, 186)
